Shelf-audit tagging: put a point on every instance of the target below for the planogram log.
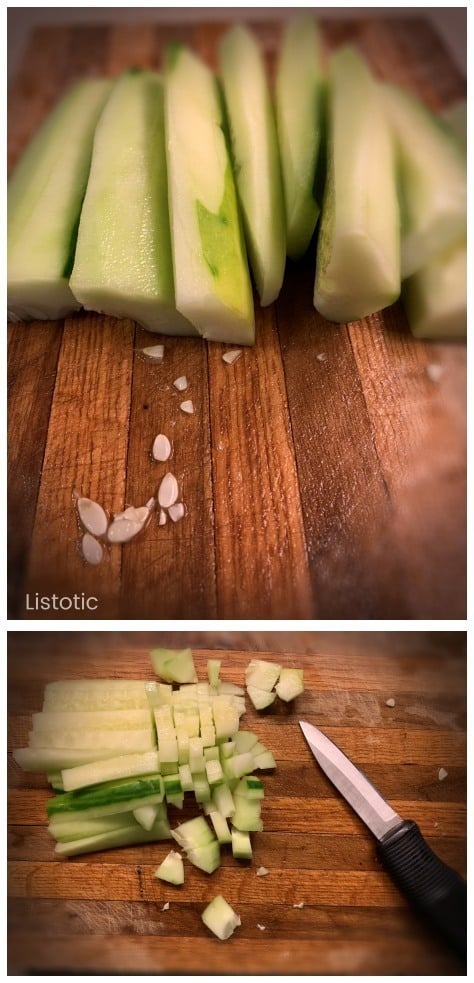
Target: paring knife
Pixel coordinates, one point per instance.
(435, 889)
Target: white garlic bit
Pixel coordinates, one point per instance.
(161, 448)
(165, 906)
(181, 384)
(177, 512)
(231, 357)
(163, 517)
(322, 357)
(156, 353)
(390, 702)
(262, 872)
(92, 516)
(92, 550)
(121, 530)
(261, 927)
(442, 774)
(168, 491)
(187, 406)
(434, 371)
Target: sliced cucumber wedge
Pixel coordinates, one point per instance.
(171, 868)
(45, 196)
(174, 666)
(220, 918)
(432, 180)
(435, 298)
(358, 251)
(290, 684)
(298, 107)
(255, 157)
(212, 281)
(123, 263)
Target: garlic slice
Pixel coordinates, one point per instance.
(187, 406)
(162, 518)
(92, 550)
(156, 353)
(161, 448)
(121, 530)
(231, 357)
(177, 512)
(168, 491)
(181, 384)
(92, 516)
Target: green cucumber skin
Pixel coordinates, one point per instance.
(213, 287)
(110, 796)
(298, 110)
(256, 158)
(358, 249)
(45, 196)
(123, 264)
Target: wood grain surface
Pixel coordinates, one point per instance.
(103, 913)
(330, 487)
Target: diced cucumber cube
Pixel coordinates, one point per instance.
(250, 787)
(238, 765)
(193, 833)
(226, 718)
(175, 667)
(213, 670)
(173, 787)
(244, 740)
(264, 760)
(215, 775)
(260, 698)
(202, 791)
(171, 869)
(247, 814)
(230, 689)
(262, 674)
(206, 857)
(196, 755)
(220, 918)
(290, 684)
(241, 844)
(158, 694)
(146, 815)
(186, 778)
(227, 748)
(223, 800)
(211, 753)
(221, 826)
(435, 298)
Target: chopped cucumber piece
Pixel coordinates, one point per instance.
(250, 787)
(244, 740)
(241, 845)
(210, 266)
(226, 718)
(197, 761)
(298, 105)
(260, 698)
(358, 252)
(120, 740)
(123, 766)
(207, 857)
(435, 298)
(223, 800)
(96, 694)
(290, 684)
(220, 918)
(193, 833)
(230, 689)
(262, 674)
(175, 667)
(186, 778)
(172, 786)
(432, 180)
(171, 869)
(146, 816)
(256, 158)
(214, 773)
(247, 814)
(213, 670)
(45, 196)
(123, 263)
(159, 694)
(226, 749)
(264, 760)
(202, 790)
(109, 798)
(221, 826)
(211, 753)
(238, 765)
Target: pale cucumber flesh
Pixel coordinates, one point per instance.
(212, 281)
(45, 197)
(435, 298)
(255, 157)
(123, 265)
(358, 250)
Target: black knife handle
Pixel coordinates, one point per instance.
(433, 887)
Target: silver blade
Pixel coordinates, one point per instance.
(351, 783)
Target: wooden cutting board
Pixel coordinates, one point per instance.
(323, 473)
(103, 913)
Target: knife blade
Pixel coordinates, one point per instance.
(436, 890)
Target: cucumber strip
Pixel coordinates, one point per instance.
(57, 759)
(435, 298)
(122, 766)
(255, 157)
(220, 918)
(213, 670)
(210, 266)
(96, 694)
(358, 251)
(115, 838)
(78, 828)
(45, 196)
(298, 109)
(120, 740)
(89, 720)
(123, 263)
(432, 180)
(108, 799)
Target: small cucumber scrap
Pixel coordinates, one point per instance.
(171, 869)
(123, 265)
(212, 281)
(220, 918)
(432, 180)
(358, 250)
(255, 157)
(45, 195)
(298, 107)
(174, 666)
